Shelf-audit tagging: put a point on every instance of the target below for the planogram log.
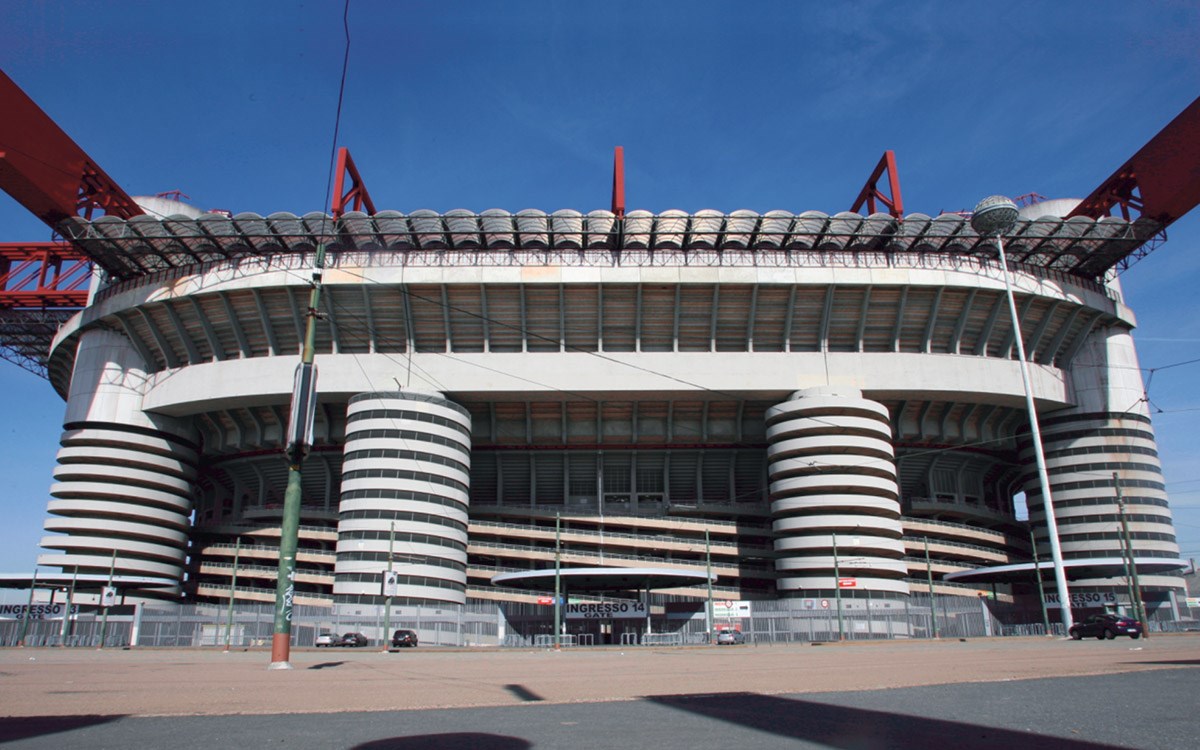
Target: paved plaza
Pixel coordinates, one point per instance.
(151, 682)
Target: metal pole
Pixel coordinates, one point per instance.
(708, 610)
(112, 565)
(557, 579)
(1037, 568)
(66, 623)
(1060, 574)
(1139, 607)
(303, 394)
(29, 608)
(837, 589)
(929, 577)
(237, 553)
(387, 586)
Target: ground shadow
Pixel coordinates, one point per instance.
(23, 727)
(451, 741)
(1177, 662)
(523, 693)
(856, 728)
(327, 664)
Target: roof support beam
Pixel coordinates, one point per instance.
(335, 342)
(209, 332)
(188, 345)
(903, 302)
(1010, 341)
(989, 325)
(963, 317)
(862, 319)
(1056, 343)
(265, 318)
(138, 344)
(238, 333)
(1035, 340)
(826, 313)
(369, 314)
(927, 344)
(787, 322)
(160, 341)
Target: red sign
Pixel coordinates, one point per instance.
(545, 600)
(847, 583)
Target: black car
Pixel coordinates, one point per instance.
(354, 640)
(1106, 626)
(404, 638)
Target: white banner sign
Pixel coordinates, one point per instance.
(1084, 600)
(605, 610)
(730, 608)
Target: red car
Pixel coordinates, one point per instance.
(1106, 626)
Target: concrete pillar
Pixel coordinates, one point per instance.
(832, 474)
(125, 478)
(407, 462)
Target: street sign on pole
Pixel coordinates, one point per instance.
(847, 583)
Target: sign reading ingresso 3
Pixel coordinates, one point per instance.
(605, 610)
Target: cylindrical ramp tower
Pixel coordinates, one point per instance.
(833, 483)
(406, 467)
(122, 492)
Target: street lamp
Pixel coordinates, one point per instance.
(994, 216)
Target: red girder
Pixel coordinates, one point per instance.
(46, 171)
(871, 192)
(42, 275)
(1160, 182)
(357, 196)
(618, 191)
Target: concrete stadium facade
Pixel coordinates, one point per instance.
(782, 386)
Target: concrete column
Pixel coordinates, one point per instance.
(407, 461)
(125, 478)
(832, 473)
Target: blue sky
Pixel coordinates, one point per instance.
(515, 105)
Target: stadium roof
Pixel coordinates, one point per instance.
(131, 248)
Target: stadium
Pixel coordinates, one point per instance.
(782, 405)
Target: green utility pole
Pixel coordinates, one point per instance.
(708, 612)
(299, 438)
(237, 553)
(388, 584)
(112, 566)
(1139, 607)
(1037, 568)
(929, 577)
(28, 609)
(557, 579)
(837, 590)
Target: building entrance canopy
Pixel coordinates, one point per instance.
(1102, 567)
(603, 579)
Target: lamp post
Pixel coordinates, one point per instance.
(29, 608)
(1135, 588)
(389, 584)
(994, 216)
(299, 439)
(1037, 568)
(837, 588)
(112, 567)
(708, 609)
(237, 553)
(557, 580)
(929, 579)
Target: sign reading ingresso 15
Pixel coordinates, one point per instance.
(1084, 599)
(605, 610)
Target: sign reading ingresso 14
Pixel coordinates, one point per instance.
(605, 610)
(36, 611)
(1084, 599)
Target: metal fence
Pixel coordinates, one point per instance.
(530, 626)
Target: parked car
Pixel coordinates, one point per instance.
(354, 640)
(730, 637)
(404, 639)
(1106, 626)
(327, 640)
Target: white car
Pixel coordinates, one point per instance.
(328, 640)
